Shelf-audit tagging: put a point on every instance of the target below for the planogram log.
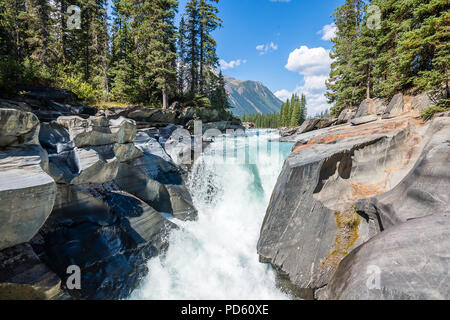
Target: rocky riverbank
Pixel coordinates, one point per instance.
(361, 209)
(87, 188)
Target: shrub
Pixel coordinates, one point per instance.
(84, 91)
(431, 111)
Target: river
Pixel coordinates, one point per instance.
(215, 257)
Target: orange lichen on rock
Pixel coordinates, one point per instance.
(301, 147)
(362, 190)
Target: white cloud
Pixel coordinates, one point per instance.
(265, 48)
(314, 65)
(328, 32)
(314, 61)
(283, 94)
(232, 64)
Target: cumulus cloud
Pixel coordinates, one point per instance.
(232, 64)
(314, 65)
(314, 61)
(265, 48)
(283, 94)
(328, 31)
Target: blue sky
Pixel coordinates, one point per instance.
(283, 44)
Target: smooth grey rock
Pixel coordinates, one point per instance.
(311, 222)
(421, 102)
(108, 233)
(379, 106)
(24, 277)
(423, 190)
(412, 260)
(55, 138)
(125, 129)
(363, 120)
(370, 107)
(18, 127)
(152, 115)
(395, 107)
(127, 152)
(345, 116)
(27, 194)
(94, 131)
(182, 206)
(308, 125)
(11, 104)
(136, 182)
(325, 123)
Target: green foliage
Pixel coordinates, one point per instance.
(409, 50)
(431, 111)
(10, 74)
(84, 91)
(292, 114)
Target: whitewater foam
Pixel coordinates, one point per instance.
(215, 257)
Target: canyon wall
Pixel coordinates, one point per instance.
(369, 197)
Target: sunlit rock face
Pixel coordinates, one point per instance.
(344, 185)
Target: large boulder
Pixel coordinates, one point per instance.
(308, 125)
(312, 223)
(407, 262)
(365, 119)
(108, 233)
(370, 107)
(136, 182)
(421, 102)
(421, 191)
(345, 116)
(27, 193)
(395, 107)
(24, 277)
(325, 123)
(18, 127)
(182, 205)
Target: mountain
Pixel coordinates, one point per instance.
(251, 97)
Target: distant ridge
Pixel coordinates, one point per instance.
(251, 97)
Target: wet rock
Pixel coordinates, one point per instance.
(24, 277)
(136, 182)
(27, 193)
(108, 233)
(182, 206)
(11, 104)
(410, 259)
(18, 127)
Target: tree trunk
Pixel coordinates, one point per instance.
(165, 99)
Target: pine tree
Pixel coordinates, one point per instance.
(208, 22)
(192, 43)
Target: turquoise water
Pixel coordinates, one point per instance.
(215, 257)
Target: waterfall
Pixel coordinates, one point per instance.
(215, 257)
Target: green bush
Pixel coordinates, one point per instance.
(431, 111)
(84, 91)
(10, 75)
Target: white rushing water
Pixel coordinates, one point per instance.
(215, 257)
